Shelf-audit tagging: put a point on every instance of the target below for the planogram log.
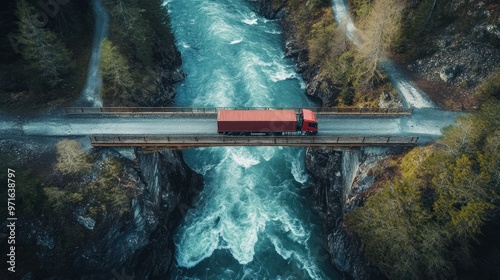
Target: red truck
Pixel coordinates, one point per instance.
(269, 122)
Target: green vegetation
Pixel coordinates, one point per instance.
(354, 71)
(44, 52)
(115, 71)
(28, 192)
(423, 223)
(104, 195)
(360, 8)
(420, 21)
(109, 192)
(71, 158)
(103, 191)
(491, 86)
(130, 62)
(46, 57)
(378, 31)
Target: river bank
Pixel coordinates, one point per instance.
(116, 215)
(333, 198)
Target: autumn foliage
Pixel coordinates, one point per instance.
(71, 158)
(422, 224)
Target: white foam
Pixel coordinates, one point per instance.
(252, 21)
(280, 249)
(282, 74)
(312, 270)
(234, 42)
(273, 31)
(267, 153)
(198, 241)
(243, 158)
(298, 173)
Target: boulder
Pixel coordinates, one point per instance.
(447, 73)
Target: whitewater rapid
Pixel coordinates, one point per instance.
(252, 219)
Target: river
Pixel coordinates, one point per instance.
(253, 219)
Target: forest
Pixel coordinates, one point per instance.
(45, 50)
(133, 54)
(436, 218)
(45, 53)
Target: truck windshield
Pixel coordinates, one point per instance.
(315, 125)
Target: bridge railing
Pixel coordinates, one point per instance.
(214, 110)
(218, 140)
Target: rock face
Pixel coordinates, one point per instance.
(462, 52)
(316, 87)
(136, 244)
(170, 186)
(167, 75)
(333, 201)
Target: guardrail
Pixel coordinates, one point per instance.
(214, 110)
(218, 141)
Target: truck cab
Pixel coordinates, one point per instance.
(309, 122)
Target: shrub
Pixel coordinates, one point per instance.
(71, 159)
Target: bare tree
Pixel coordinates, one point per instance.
(71, 158)
(377, 32)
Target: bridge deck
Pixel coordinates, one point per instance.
(188, 141)
(213, 110)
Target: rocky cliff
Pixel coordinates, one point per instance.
(114, 221)
(129, 239)
(330, 196)
(458, 52)
(168, 73)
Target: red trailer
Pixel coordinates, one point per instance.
(266, 121)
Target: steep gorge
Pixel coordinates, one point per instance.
(332, 194)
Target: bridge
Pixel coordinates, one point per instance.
(193, 141)
(207, 140)
(197, 127)
(214, 110)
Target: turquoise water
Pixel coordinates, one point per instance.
(253, 219)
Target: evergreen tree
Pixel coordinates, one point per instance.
(118, 82)
(45, 55)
